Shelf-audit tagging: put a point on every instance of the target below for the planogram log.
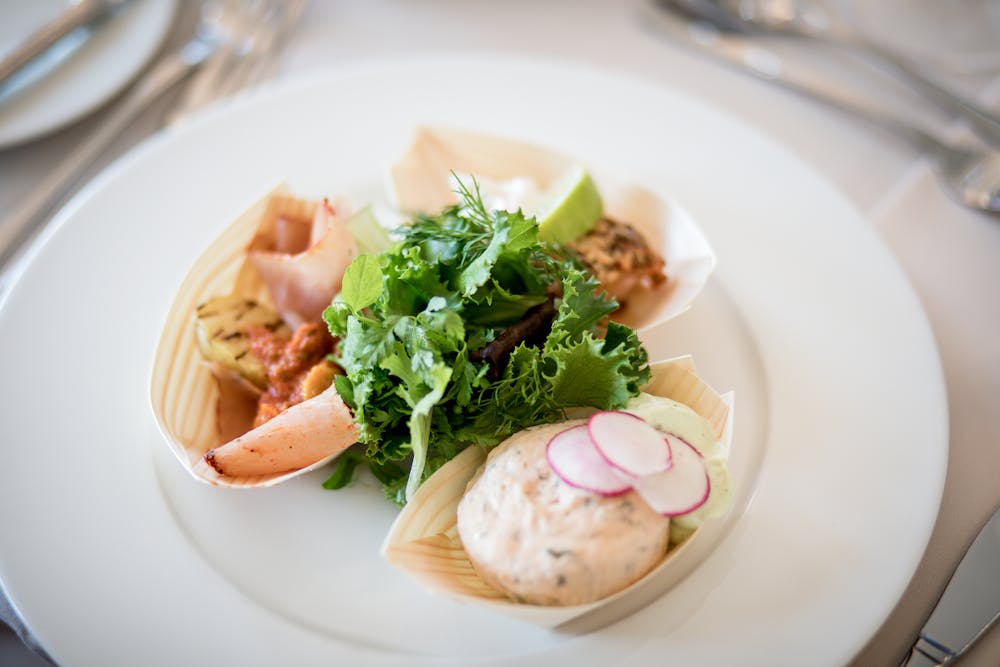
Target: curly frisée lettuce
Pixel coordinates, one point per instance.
(466, 331)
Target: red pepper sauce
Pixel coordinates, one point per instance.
(287, 360)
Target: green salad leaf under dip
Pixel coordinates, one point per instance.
(466, 331)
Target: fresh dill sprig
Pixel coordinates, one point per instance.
(472, 207)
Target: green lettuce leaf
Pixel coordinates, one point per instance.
(411, 318)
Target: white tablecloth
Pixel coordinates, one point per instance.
(950, 254)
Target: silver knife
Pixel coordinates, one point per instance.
(963, 168)
(16, 227)
(969, 607)
(671, 19)
(78, 15)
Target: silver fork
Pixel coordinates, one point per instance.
(804, 19)
(221, 26)
(243, 60)
(969, 173)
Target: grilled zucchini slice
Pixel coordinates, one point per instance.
(221, 326)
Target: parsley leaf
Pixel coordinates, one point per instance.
(362, 282)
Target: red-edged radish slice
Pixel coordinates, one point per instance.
(629, 443)
(682, 489)
(573, 458)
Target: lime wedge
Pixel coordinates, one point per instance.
(570, 208)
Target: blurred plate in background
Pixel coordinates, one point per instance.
(101, 67)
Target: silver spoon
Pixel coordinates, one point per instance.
(801, 18)
(969, 173)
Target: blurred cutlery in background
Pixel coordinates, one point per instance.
(805, 19)
(948, 634)
(257, 28)
(969, 173)
(245, 57)
(48, 46)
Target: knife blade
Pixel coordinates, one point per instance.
(969, 606)
(671, 19)
(51, 44)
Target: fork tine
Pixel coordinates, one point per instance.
(260, 29)
(258, 37)
(275, 21)
(262, 65)
(201, 89)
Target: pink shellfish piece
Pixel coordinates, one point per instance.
(302, 284)
(311, 431)
(421, 181)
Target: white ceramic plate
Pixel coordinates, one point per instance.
(95, 72)
(112, 553)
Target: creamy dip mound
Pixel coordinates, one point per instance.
(541, 541)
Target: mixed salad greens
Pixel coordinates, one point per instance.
(465, 331)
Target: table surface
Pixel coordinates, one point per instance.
(948, 253)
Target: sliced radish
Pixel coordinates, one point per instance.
(573, 457)
(629, 443)
(682, 489)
